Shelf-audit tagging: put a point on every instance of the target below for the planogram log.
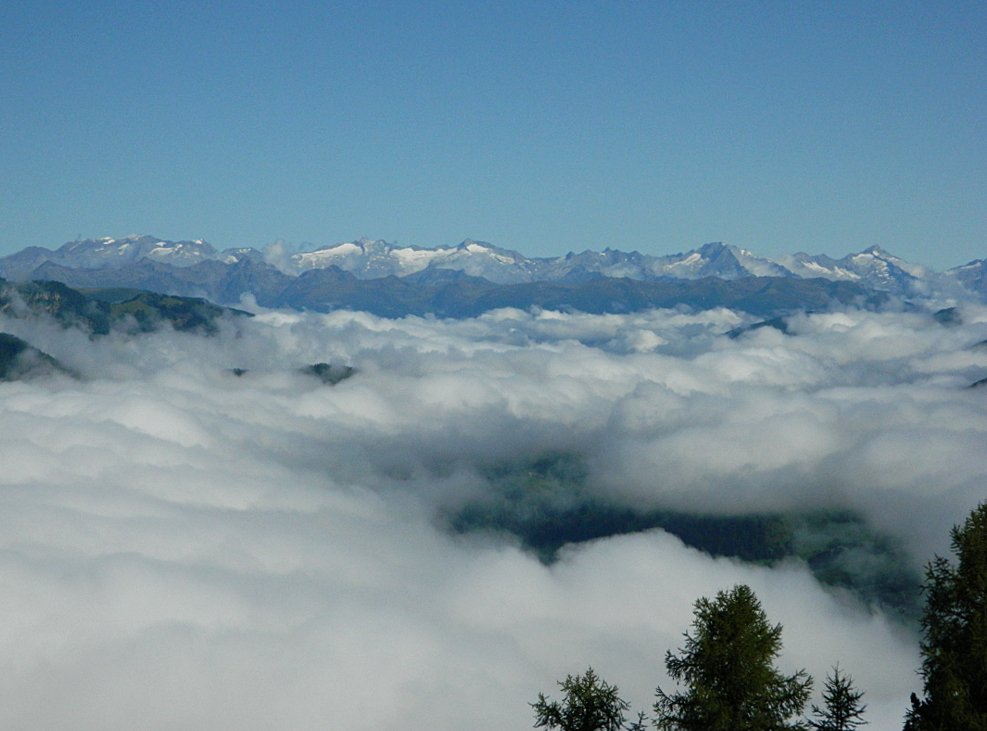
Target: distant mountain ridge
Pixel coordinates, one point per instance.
(282, 279)
(369, 259)
(874, 267)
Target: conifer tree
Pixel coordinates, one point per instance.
(728, 668)
(843, 711)
(590, 704)
(954, 650)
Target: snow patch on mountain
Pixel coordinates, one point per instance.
(368, 259)
(372, 259)
(110, 252)
(874, 267)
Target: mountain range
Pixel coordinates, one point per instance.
(474, 276)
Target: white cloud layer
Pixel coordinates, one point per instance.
(184, 548)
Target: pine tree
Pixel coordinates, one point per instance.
(843, 711)
(590, 704)
(954, 663)
(727, 665)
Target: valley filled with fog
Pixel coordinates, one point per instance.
(198, 533)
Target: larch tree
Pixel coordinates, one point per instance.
(954, 624)
(727, 667)
(843, 710)
(589, 704)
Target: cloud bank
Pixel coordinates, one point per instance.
(181, 547)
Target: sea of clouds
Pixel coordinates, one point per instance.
(185, 548)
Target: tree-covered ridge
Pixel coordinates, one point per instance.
(20, 360)
(545, 502)
(98, 311)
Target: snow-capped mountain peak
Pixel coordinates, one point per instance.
(873, 266)
(368, 258)
(104, 252)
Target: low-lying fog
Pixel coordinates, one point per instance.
(182, 547)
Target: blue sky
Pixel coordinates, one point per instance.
(538, 126)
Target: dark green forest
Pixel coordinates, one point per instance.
(546, 502)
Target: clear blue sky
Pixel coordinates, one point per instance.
(538, 126)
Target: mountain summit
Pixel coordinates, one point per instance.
(367, 259)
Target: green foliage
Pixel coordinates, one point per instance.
(843, 711)
(148, 311)
(546, 500)
(727, 667)
(53, 299)
(843, 550)
(100, 311)
(954, 664)
(590, 704)
(19, 360)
